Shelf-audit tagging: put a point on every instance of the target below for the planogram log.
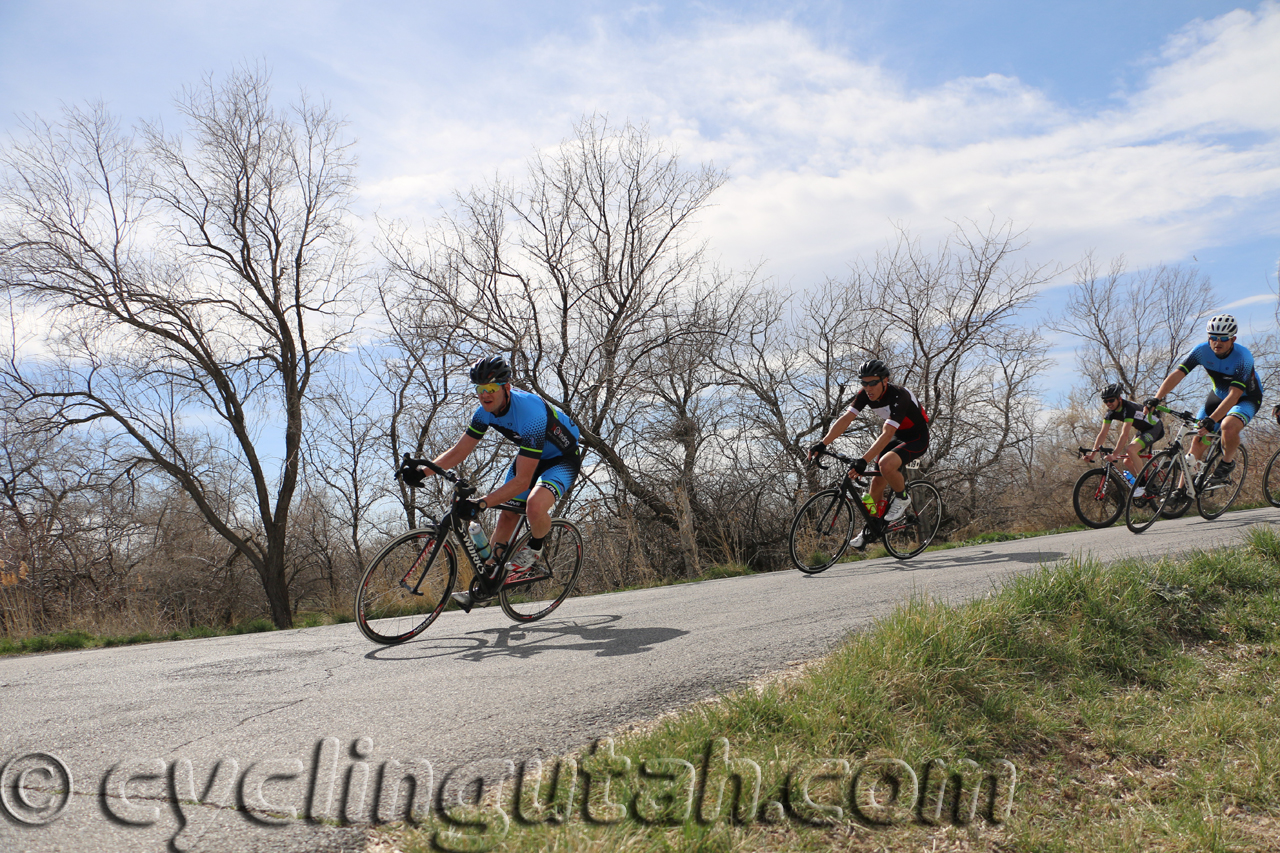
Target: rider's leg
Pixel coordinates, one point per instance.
(506, 525)
(1231, 426)
(891, 470)
(538, 508)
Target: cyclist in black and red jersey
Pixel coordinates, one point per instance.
(904, 437)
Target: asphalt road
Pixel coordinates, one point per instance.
(163, 741)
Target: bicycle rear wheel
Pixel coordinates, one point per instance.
(1271, 481)
(388, 609)
(912, 533)
(1099, 499)
(820, 532)
(1159, 479)
(552, 578)
(1214, 497)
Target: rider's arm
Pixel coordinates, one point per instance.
(525, 468)
(454, 455)
(838, 428)
(1122, 442)
(886, 436)
(1166, 387)
(1097, 442)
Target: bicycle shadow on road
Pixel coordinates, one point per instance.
(947, 559)
(596, 634)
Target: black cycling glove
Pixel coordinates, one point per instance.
(860, 465)
(817, 449)
(411, 475)
(1208, 423)
(467, 509)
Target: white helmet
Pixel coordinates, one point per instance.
(1223, 324)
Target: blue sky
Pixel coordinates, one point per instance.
(1148, 128)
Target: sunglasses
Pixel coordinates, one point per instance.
(1221, 339)
(1109, 400)
(873, 383)
(491, 388)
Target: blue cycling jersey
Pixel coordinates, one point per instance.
(1236, 369)
(539, 429)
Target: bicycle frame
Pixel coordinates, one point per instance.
(1189, 477)
(452, 523)
(853, 488)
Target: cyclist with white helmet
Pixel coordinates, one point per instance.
(1146, 430)
(1236, 395)
(540, 475)
(903, 438)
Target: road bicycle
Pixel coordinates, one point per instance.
(1271, 477)
(1100, 494)
(1170, 476)
(409, 584)
(825, 523)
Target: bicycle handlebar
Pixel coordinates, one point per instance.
(872, 468)
(463, 488)
(1086, 450)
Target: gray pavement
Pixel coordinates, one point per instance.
(272, 741)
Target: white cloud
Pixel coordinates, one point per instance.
(825, 152)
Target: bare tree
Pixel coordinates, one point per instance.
(191, 290)
(1134, 326)
(586, 277)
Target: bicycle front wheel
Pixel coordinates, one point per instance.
(1098, 499)
(1213, 496)
(912, 533)
(405, 587)
(552, 578)
(1271, 481)
(1159, 480)
(821, 531)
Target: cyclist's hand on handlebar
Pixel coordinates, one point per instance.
(1150, 404)
(816, 450)
(1208, 424)
(412, 475)
(467, 509)
(860, 466)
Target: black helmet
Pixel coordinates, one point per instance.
(491, 369)
(1111, 392)
(874, 367)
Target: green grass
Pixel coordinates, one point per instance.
(1139, 702)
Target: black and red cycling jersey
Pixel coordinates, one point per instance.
(899, 407)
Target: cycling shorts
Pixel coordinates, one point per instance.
(908, 451)
(1243, 409)
(1144, 440)
(556, 474)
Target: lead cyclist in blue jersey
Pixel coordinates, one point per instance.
(540, 475)
(1236, 395)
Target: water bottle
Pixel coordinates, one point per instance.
(870, 503)
(1129, 478)
(1193, 463)
(481, 540)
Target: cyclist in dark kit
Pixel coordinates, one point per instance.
(541, 474)
(904, 437)
(1147, 429)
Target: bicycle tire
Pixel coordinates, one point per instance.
(1097, 503)
(1271, 480)
(560, 563)
(1159, 478)
(386, 609)
(821, 531)
(1213, 501)
(912, 533)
